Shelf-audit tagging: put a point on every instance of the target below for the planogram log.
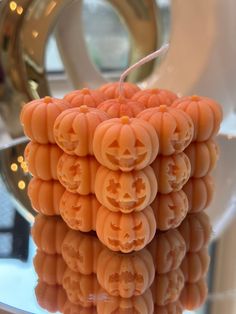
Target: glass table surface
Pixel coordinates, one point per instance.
(138, 284)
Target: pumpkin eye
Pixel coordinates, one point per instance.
(138, 227)
(138, 143)
(139, 185)
(113, 186)
(114, 144)
(115, 227)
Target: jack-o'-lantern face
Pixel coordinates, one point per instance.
(68, 140)
(77, 174)
(128, 240)
(182, 135)
(125, 144)
(71, 284)
(126, 275)
(80, 287)
(127, 235)
(127, 155)
(125, 191)
(126, 283)
(69, 172)
(77, 211)
(125, 232)
(72, 256)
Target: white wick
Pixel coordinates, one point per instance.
(148, 58)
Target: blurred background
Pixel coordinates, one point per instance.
(53, 47)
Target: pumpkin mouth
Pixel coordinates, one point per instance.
(127, 206)
(69, 144)
(127, 246)
(125, 162)
(128, 310)
(73, 254)
(73, 186)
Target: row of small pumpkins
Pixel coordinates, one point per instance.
(38, 118)
(80, 268)
(205, 155)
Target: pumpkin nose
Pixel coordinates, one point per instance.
(126, 236)
(127, 195)
(126, 152)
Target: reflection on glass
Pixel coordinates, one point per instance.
(19, 10)
(13, 5)
(21, 185)
(76, 272)
(14, 167)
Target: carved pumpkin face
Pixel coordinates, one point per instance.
(125, 191)
(126, 274)
(80, 287)
(77, 174)
(74, 129)
(173, 126)
(125, 232)
(172, 172)
(170, 209)
(168, 250)
(167, 287)
(79, 211)
(81, 252)
(125, 144)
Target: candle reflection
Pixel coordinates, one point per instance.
(76, 272)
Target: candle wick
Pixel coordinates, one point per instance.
(148, 58)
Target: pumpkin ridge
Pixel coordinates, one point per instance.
(202, 102)
(30, 118)
(214, 127)
(38, 194)
(44, 118)
(142, 126)
(32, 112)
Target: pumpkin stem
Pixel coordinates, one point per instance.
(195, 98)
(124, 119)
(163, 108)
(83, 109)
(148, 58)
(85, 91)
(47, 99)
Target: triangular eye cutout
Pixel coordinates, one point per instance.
(138, 143)
(114, 144)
